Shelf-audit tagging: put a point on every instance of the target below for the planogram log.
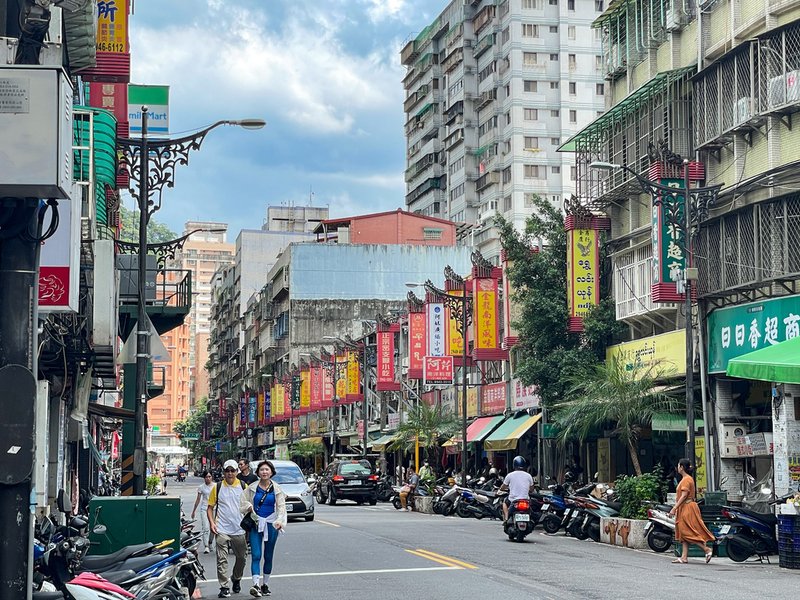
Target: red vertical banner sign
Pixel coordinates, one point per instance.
(317, 384)
(386, 371)
(416, 344)
(327, 388)
(287, 398)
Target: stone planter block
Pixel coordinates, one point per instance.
(628, 533)
(424, 504)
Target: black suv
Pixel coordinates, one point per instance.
(348, 480)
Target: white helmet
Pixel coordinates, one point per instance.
(492, 471)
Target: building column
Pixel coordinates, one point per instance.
(731, 470)
(786, 439)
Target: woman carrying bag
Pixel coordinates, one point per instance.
(263, 505)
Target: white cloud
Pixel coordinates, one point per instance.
(380, 10)
(300, 73)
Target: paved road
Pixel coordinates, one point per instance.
(377, 552)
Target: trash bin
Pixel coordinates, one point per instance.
(789, 541)
(133, 520)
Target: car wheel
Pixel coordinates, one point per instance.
(310, 518)
(332, 499)
(374, 501)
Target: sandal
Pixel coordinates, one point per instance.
(708, 556)
(680, 561)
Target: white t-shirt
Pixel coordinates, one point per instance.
(205, 491)
(228, 515)
(519, 485)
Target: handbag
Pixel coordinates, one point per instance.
(248, 522)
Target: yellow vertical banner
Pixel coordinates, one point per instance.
(341, 376)
(260, 408)
(484, 318)
(455, 341)
(353, 376)
(472, 402)
(701, 478)
(305, 389)
(279, 399)
(112, 26)
(273, 395)
(583, 292)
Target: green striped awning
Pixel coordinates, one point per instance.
(507, 435)
(779, 363)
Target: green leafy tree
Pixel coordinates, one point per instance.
(612, 394)
(156, 232)
(430, 425)
(306, 449)
(193, 425)
(547, 354)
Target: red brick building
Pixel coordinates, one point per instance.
(392, 227)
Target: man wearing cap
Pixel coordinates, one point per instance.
(224, 519)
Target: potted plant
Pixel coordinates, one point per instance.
(634, 493)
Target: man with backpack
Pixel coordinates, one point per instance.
(225, 517)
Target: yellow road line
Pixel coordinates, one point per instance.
(327, 523)
(453, 561)
(441, 562)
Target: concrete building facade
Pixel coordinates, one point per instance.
(395, 227)
(492, 90)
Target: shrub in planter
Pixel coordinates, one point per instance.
(634, 491)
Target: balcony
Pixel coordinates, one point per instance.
(409, 52)
(486, 180)
(633, 278)
(483, 45)
(453, 60)
(168, 298)
(415, 98)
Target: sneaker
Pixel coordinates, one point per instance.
(265, 590)
(206, 551)
(255, 592)
(237, 586)
(224, 593)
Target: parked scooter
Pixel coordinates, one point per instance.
(750, 533)
(660, 528)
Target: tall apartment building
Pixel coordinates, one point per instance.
(492, 90)
(717, 83)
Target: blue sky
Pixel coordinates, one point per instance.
(324, 74)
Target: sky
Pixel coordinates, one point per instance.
(324, 74)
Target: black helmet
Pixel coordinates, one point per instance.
(520, 463)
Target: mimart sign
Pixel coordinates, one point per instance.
(738, 330)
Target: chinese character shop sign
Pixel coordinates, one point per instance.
(485, 319)
(416, 344)
(738, 330)
(436, 329)
(583, 288)
(112, 26)
(493, 398)
(386, 379)
(669, 255)
(438, 370)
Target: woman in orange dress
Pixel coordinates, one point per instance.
(689, 526)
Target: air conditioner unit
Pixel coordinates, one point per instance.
(674, 20)
(784, 89)
(730, 433)
(742, 110)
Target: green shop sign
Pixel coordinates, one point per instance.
(738, 330)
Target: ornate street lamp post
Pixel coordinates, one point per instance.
(152, 166)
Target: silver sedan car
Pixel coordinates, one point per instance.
(299, 500)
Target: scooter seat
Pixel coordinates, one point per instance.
(102, 562)
(47, 596)
(617, 506)
(119, 577)
(139, 563)
(768, 518)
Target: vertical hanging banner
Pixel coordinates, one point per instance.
(279, 400)
(455, 341)
(512, 312)
(485, 316)
(316, 384)
(416, 344)
(113, 59)
(242, 413)
(59, 262)
(386, 371)
(260, 408)
(287, 397)
(353, 377)
(436, 329)
(305, 391)
(267, 406)
(493, 398)
(327, 388)
(341, 377)
(583, 265)
(252, 411)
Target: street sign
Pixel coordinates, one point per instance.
(191, 436)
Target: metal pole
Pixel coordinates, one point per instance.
(142, 333)
(464, 309)
(364, 402)
(687, 213)
(710, 464)
(335, 404)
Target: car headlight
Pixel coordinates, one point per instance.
(306, 492)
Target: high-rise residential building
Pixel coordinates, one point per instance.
(492, 91)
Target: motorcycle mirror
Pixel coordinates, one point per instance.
(596, 476)
(63, 502)
(99, 530)
(766, 490)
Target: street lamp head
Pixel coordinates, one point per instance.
(330, 337)
(604, 166)
(413, 284)
(249, 123)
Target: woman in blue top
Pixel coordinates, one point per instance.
(264, 502)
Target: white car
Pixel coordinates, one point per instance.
(299, 500)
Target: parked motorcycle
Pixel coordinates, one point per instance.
(750, 533)
(660, 528)
(479, 504)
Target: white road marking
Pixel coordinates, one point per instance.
(327, 523)
(355, 572)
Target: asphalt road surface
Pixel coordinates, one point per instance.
(351, 551)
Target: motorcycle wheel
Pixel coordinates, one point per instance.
(577, 531)
(658, 543)
(594, 531)
(551, 525)
(396, 502)
(332, 499)
(519, 537)
(462, 511)
(737, 552)
(320, 498)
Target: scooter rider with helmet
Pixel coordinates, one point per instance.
(518, 483)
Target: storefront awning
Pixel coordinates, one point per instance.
(779, 363)
(672, 422)
(383, 441)
(506, 436)
(476, 431)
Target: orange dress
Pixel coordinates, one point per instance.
(689, 526)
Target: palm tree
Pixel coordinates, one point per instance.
(613, 393)
(428, 424)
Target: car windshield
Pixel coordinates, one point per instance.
(289, 475)
(355, 469)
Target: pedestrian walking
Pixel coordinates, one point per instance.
(689, 526)
(245, 474)
(264, 502)
(225, 519)
(201, 502)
